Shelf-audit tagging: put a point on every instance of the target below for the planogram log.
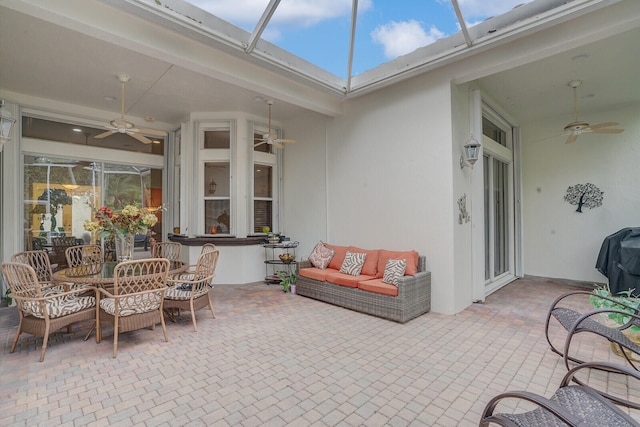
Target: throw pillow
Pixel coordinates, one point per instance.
(394, 270)
(353, 262)
(321, 256)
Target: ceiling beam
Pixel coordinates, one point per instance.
(463, 25)
(261, 25)
(354, 15)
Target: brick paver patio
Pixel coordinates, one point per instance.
(275, 359)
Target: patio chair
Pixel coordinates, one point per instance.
(190, 290)
(39, 261)
(137, 298)
(592, 321)
(58, 250)
(83, 255)
(573, 405)
(207, 247)
(169, 250)
(42, 310)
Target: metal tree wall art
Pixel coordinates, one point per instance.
(587, 195)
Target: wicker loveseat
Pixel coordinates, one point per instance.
(367, 294)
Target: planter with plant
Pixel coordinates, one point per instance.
(288, 282)
(624, 301)
(7, 298)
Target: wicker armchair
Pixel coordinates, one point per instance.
(573, 405)
(137, 298)
(575, 322)
(83, 255)
(44, 310)
(190, 290)
(169, 250)
(39, 261)
(207, 247)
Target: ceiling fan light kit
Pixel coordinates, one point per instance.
(120, 125)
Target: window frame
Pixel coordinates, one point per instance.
(273, 160)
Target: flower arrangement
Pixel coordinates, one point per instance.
(131, 220)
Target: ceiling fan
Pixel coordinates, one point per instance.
(578, 127)
(120, 125)
(272, 138)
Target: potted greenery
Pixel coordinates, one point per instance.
(8, 299)
(624, 301)
(288, 281)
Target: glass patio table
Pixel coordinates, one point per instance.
(101, 274)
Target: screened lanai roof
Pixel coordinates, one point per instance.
(350, 45)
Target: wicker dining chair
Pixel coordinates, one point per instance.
(59, 247)
(207, 247)
(39, 261)
(44, 310)
(190, 290)
(137, 298)
(83, 255)
(169, 250)
(574, 405)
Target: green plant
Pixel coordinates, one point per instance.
(602, 298)
(286, 280)
(7, 297)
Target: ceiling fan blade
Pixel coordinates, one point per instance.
(140, 138)
(277, 144)
(572, 138)
(607, 130)
(153, 132)
(604, 125)
(290, 141)
(105, 134)
(259, 143)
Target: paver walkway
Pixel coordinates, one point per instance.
(272, 359)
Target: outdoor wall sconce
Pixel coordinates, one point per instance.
(6, 123)
(212, 187)
(471, 153)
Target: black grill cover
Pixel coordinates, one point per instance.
(619, 260)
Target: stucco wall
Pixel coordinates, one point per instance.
(558, 241)
(387, 177)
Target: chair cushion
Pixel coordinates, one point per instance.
(410, 256)
(346, 279)
(58, 307)
(338, 258)
(180, 293)
(132, 304)
(315, 273)
(379, 287)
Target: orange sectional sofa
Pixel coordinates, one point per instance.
(367, 292)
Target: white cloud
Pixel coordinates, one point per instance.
(299, 13)
(400, 38)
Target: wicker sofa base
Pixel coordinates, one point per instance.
(413, 300)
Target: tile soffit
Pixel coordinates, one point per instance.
(197, 24)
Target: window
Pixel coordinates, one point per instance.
(265, 179)
(215, 176)
(217, 198)
(262, 198)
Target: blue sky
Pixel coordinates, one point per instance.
(319, 30)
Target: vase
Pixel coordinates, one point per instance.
(124, 246)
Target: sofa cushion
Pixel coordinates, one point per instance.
(338, 258)
(342, 279)
(370, 267)
(353, 263)
(394, 270)
(379, 287)
(410, 256)
(321, 255)
(315, 273)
